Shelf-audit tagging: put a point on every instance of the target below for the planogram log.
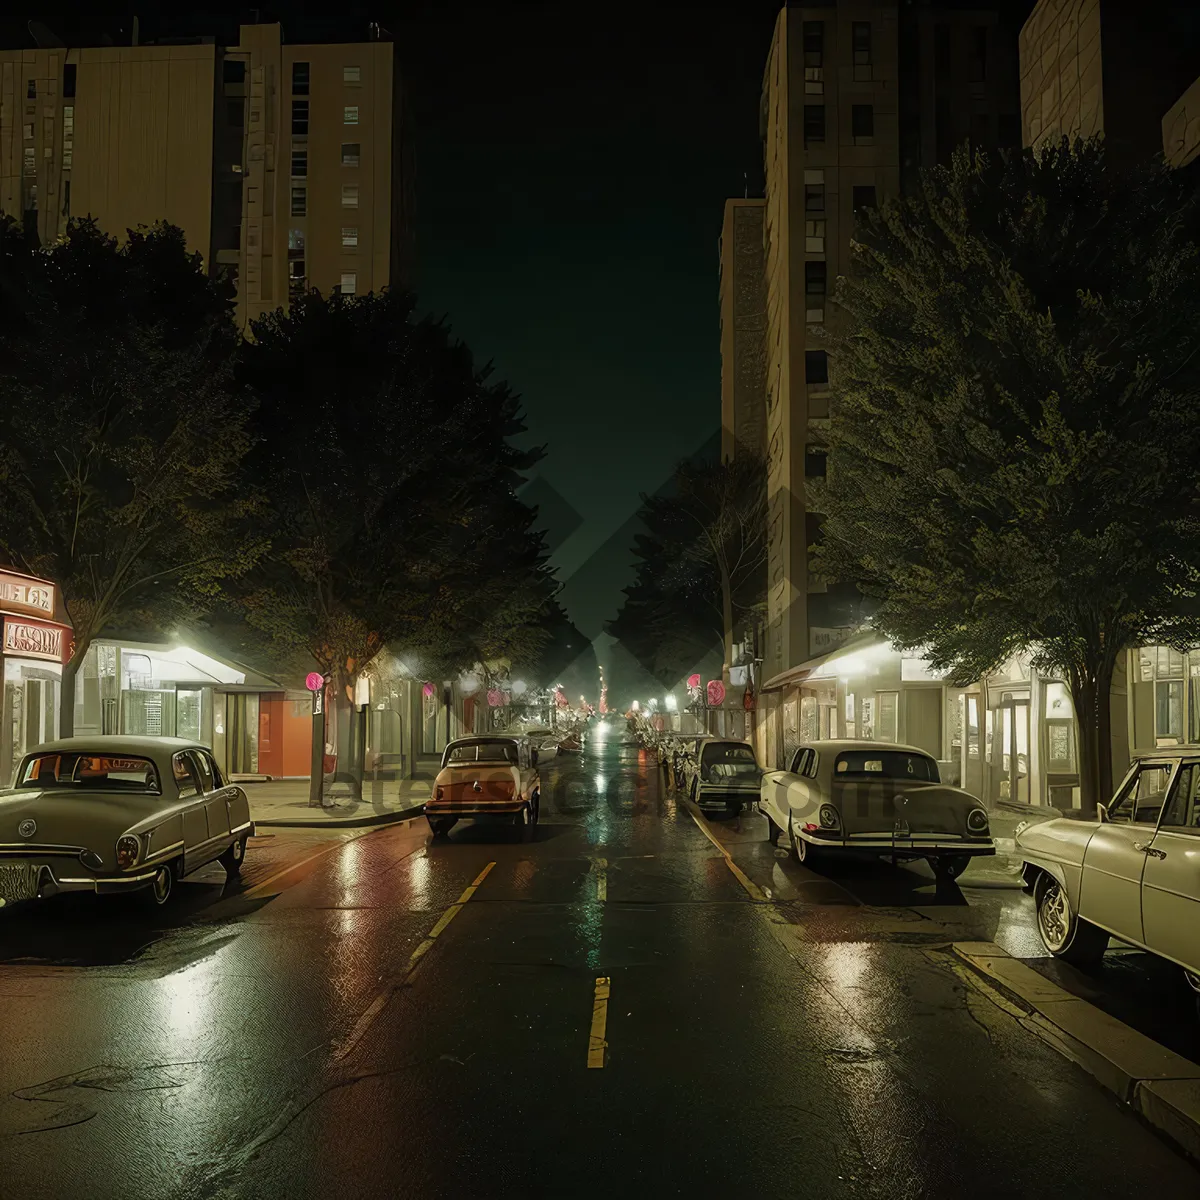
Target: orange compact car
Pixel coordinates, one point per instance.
(487, 777)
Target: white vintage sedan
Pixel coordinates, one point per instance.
(117, 814)
(875, 798)
(719, 774)
(1133, 873)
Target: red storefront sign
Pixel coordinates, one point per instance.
(24, 638)
(26, 595)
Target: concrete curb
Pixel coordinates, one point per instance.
(390, 818)
(1162, 1087)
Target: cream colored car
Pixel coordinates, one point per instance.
(117, 814)
(1132, 874)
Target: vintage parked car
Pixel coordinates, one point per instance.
(876, 798)
(676, 755)
(1133, 873)
(117, 814)
(487, 777)
(719, 774)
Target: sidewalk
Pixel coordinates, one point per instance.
(285, 802)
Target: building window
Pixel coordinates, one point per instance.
(862, 121)
(351, 75)
(295, 243)
(351, 154)
(349, 195)
(863, 196)
(349, 283)
(814, 197)
(30, 162)
(887, 709)
(349, 237)
(69, 80)
(296, 276)
(979, 54)
(814, 43)
(299, 164)
(814, 280)
(861, 34)
(816, 366)
(299, 202)
(1060, 729)
(941, 51)
(814, 124)
(31, 90)
(814, 463)
(300, 117)
(233, 70)
(350, 115)
(299, 79)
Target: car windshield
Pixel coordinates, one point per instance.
(728, 752)
(79, 770)
(484, 752)
(885, 764)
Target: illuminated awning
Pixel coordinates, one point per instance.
(832, 663)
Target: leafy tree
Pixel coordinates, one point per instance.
(388, 455)
(1016, 421)
(122, 431)
(701, 565)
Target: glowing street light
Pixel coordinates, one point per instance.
(635, 706)
(671, 703)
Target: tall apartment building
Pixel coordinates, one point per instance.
(1106, 67)
(286, 165)
(743, 312)
(857, 96)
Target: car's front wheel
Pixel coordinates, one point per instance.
(1063, 932)
(161, 886)
(805, 854)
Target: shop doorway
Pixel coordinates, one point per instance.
(1011, 740)
(923, 719)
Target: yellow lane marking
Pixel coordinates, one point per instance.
(338, 845)
(596, 1042)
(752, 888)
(601, 879)
(376, 1007)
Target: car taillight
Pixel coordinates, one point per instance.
(129, 850)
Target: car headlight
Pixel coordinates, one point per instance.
(977, 820)
(829, 817)
(129, 850)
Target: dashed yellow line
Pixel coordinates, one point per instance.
(596, 1043)
(414, 959)
(752, 888)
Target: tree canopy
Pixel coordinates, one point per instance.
(700, 566)
(1015, 433)
(122, 430)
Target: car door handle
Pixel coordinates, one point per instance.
(1146, 848)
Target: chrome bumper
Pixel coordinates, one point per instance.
(40, 882)
(915, 845)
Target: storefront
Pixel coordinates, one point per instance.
(1164, 698)
(33, 648)
(1010, 738)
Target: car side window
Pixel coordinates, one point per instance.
(218, 778)
(1182, 810)
(1141, 799)
(203, 772)
(185, 778)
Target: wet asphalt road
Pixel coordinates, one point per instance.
(278, 1038)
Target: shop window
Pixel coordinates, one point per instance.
(1194, 697)
(1059, 714)
(1168, 711)
(300, 78)
(973, 728)
(887, 705)
(814, 124)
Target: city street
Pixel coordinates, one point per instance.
(639, 1002)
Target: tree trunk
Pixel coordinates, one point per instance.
(66, 691)
(1104, 776)
(1088, 723)
(345, 773)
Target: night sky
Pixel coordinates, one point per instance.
(572, 163)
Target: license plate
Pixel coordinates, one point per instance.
(18, 881)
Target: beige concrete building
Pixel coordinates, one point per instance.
(286, 166)
(743, 328)
(857, 97)
(1105, 67)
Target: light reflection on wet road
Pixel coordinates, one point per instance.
(286, 1041)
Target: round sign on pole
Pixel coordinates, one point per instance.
(314, 681)
(716, 693)
(693, 681)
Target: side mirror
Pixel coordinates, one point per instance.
(1102, 812)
